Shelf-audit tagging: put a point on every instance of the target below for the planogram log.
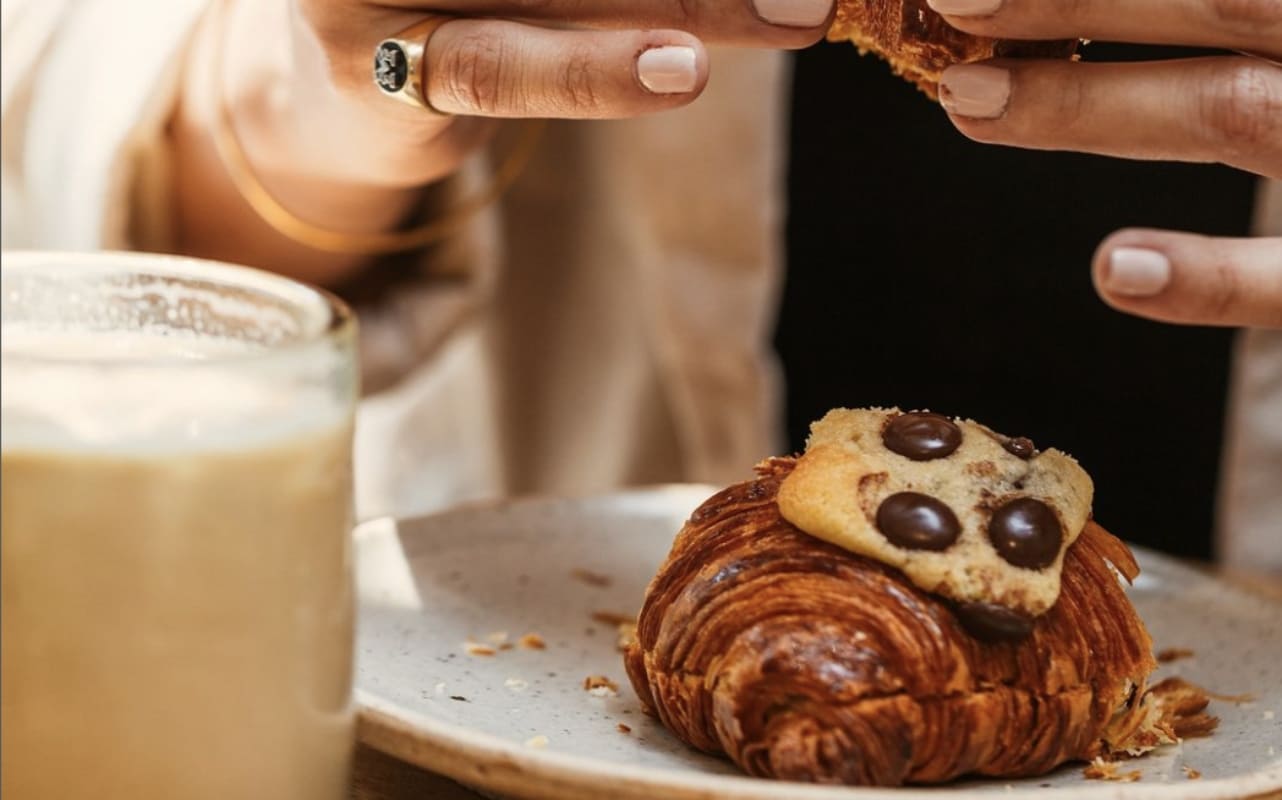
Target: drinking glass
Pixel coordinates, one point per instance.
(175, 562)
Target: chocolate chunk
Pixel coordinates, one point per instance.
(916, 521)
(1026, 532)
(922, 436)
(1020, 446)
(990, 622)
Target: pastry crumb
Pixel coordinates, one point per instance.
(612, 618)
(477, 649)
(625, 636)
(1266, 714)
(532, 641)
(496, 638)
(537, 742)
(460, 698)
(516, 684)
(1101, 770)
(600, 686)
(1173, 654)
(1191, 773)
(623, 728)
(591, 578)
(439, 688)
(625, 626)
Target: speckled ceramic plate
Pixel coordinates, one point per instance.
(446, 682)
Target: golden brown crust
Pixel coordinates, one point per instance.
(920, 45)
(803, 661)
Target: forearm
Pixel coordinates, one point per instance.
(254, 76)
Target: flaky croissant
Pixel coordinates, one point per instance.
(802, 661)
(920, 45)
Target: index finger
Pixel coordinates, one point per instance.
(1247, 25)
(761, 23)
(1191, 279)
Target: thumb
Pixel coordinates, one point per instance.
(1191, 279)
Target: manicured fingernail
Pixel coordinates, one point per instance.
(975, 90)
(1137, 273)
(966, 8)
(794, 13)
(668, 70)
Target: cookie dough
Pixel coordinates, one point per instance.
(964, 512)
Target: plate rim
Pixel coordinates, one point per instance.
(489, 762)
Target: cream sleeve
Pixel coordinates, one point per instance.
(88, 88)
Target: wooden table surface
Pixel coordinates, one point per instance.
(382, 777)
(377, 776)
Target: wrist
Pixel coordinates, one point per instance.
(297, 133)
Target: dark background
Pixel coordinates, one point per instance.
(928, 271)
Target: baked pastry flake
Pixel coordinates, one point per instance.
(920, 45)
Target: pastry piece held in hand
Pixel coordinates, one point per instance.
(961, 511)
(920, 45)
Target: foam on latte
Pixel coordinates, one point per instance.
(146, 392)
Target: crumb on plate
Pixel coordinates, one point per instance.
(1170, 654)
(626, 635)
(1191, 773)
(537, 742)
(532, 641)
(623, 728)
(600, 686)
(613, 618)
(516, 684)
(477, 649)
(1101, 770)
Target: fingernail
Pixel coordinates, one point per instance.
(794, 13)
(965, 8)
(668, 70)
(975, 90)
(1137, 273)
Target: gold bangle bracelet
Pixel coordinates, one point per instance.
(284, 222)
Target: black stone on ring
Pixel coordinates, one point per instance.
(391, 67)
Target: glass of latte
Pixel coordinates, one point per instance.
(177, 610)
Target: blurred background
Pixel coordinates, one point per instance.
(1008, 330)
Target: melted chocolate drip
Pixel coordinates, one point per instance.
(990, 622)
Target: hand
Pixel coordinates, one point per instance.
(565, 59)
(1226, 109)
(1180, 277)
(297, 79)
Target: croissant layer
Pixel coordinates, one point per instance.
(920, 45)
(800, 660)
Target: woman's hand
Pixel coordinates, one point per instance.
(1181, 277)
(297, 79)
(585, 59)
(1226, 109)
